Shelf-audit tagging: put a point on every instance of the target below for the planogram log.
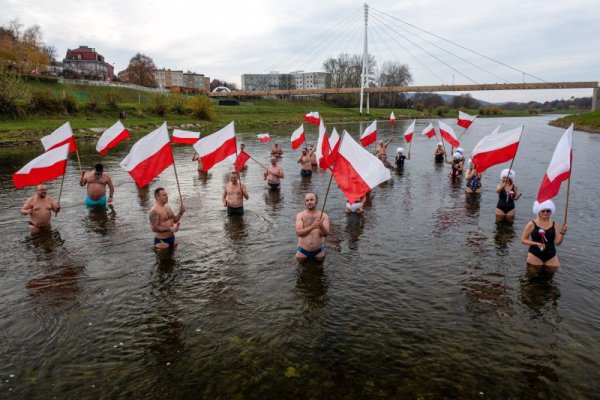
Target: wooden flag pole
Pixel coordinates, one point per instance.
(515, 156)
(78, 161)
(410, 145)
(330, 179)
(177, 180)
(567, 203)
(62, 181)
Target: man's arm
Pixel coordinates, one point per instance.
(224, 198)
(324, 228)
(245, 192)
(54, 205)
(111, 189)
(154, 223)
(82, 180)
(177, 217)
(300, 229)
(27, 208)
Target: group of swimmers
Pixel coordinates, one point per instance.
(312, 225)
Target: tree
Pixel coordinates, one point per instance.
(140, 71)
(215, 83)
(393, 74)
(22, 49)
(429, 100)
(346, 70)
(464, 101)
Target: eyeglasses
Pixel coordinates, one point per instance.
(546, 211)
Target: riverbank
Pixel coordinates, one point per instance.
(587, 122)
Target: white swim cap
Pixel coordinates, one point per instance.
(400, 150)
(440, 144)
(548, 204)
(457, 156)
(460, 150)
(505, 174)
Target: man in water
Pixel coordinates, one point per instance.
(381, 148)
(385, 162)
(234, 194)
(276, 150)
(311, 229)
(39, 207)
(305, 162)
(163, 221)
(274, 174)
(96, 181)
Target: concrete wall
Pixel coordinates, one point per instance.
(596, 99)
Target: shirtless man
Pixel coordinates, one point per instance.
(96, 181)
(274, 174)
(385, 162)
(234, 194)
(276, 150)
(305, 161)
(196, 157)
(163, 222)
(311, 231)
(381, 148)
(39, 207)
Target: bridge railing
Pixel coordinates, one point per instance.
(85, 82)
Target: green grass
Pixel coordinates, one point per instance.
(589, 122)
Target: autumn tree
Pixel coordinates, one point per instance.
(22, 48)
(140, 71)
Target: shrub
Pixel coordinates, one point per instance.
(533, 111)
(420, 107)
(93, 105)
(201, 107)
(44, 102)
(112, 100)
(441, 110)
(159, 104)
(11, 91)
(69, 103)
(178, 104)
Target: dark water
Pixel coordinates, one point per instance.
(426, 296)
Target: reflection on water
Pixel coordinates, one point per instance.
(235, 229)
(143, 196)
(472, 203)
(101, 219)
(505, 233)
(354, 228)
(58, 289)
(44, 242)
(311, 284)
(274, 199)
(538, 292)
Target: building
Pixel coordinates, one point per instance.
(276, 81)
(85, 62)
(178, 81)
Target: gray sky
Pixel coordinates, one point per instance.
(555, 41)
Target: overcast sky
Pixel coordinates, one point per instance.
(554, 41)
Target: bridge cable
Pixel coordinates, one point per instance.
(376, 30)
(461, 46)
(450, 53)
(430, 54)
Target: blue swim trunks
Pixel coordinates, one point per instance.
(310, 254)
(101, 202)
(170, 241)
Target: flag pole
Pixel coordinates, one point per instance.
(443, 147)
(62, 181)
(330, 179)
(567, 203)
(515, 156)
(256, 161)
(409, 146)
(177, 180)
(78, 161)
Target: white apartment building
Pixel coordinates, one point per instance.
(276, 81)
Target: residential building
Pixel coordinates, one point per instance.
(188, 82)
(85, 62)
(276, 81)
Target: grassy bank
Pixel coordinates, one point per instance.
(588, 122)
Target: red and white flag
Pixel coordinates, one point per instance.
(334, 141)
(408, 133)
(312, 118)
(392, 118)
(323, 149)
(263, 137)
(242, 158)
(149, 156)
(356, 171)
(216, 147)
(298, 137)
(465, 120)
(448, 133)
(369, 135)
(429, 131)
(64, 134)
(559, 169)
(45, 167)
(496, 148)
(185, 137)
(112, 137)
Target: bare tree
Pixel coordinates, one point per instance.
(393, 74)
(346, 70)
(140, 71)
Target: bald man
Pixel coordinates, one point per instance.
(39, 207)
(311, 229)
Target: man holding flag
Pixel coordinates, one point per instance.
(234, 194)
(96, 181)
(163, 221)
(312, 225)
(39, 207)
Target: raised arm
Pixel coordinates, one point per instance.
(245, 191)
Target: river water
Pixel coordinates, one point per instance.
(425, 296)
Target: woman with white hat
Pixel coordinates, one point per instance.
(507, 194)
(400, 157)
(544, 236)
(473, 179)
(439, 154)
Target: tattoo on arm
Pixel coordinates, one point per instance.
(153, 219)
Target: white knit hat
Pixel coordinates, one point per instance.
(548, 204)
(400, 150)
(506, 174)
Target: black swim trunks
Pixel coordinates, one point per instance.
(235, 210)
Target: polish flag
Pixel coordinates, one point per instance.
(496, 148)
(356, 171)
(448, 133)
(298, 137)
(216, 147)
(334, 141)
(263, 137)
(559, 168)
(392, 118)
(408, 133)
(242, 158)
(312, 118)
(323, 148)
(369, 135)
(112, 137)
(465, 120)
(45, 167)
(429, 131)
(64, 134)
(149, 156)
(185, 137)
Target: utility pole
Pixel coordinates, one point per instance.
(365, 66)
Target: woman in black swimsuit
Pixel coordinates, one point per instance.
(439, 154)
(544, 236)
(507, 194)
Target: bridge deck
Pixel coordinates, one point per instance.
(397, 89)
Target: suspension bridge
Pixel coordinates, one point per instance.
(427, 49)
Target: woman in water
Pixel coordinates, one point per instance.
(507, 194)
(544, 236)
(473, 179)
(457, 165)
